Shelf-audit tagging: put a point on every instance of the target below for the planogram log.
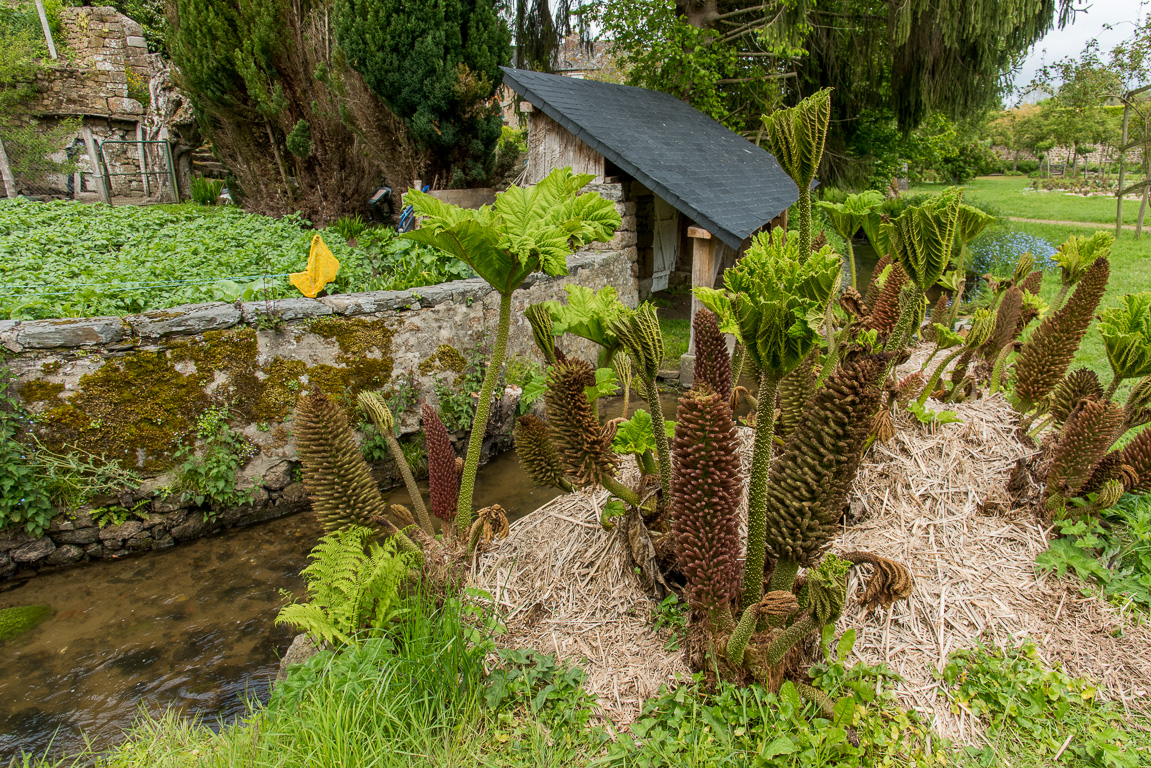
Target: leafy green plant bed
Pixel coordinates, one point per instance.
(67, 259)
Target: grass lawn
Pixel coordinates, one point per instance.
(676, 334)
(1013, 196)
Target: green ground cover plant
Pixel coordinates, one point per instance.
(1035, 713)
(66, 259)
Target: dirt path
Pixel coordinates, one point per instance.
(1128, 227)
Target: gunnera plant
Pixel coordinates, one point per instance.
(875, 284)
(527, 230)
(808, 482)
(443, 478)
(382, 417)
(583, 448)
(1006, 321)
(706, 487)
(336, 478)
(537, 455)
(1078, 386)
(1048, 351)
(542, 331)
(795, 392)
(796, 137)
(1085, 438)
(885, 308)
(1137, 455)
(1126, 332)
(712, 363)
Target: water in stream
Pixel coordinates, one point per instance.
(189, 627)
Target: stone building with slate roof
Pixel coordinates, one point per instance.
(697, 191)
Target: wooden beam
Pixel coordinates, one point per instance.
(47, 29)
(699, 233)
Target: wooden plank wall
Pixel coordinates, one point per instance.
(551, 146)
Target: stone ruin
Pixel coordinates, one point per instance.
(106, 78)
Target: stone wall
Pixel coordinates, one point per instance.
(102, 77)
(131, 389)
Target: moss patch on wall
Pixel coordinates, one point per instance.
(138, 410)
(40, 391)
(445, 358)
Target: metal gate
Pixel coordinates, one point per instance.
(155, 171)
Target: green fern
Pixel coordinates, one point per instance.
(349, 589)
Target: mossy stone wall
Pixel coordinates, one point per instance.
(132, 389)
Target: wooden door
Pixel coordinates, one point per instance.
(665, 243)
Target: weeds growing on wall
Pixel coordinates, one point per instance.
(24, 501)
(208, 472)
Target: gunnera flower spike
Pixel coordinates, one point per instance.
(706, 484)
(443, 478)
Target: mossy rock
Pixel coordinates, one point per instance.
(21, 618)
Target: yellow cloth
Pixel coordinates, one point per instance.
(321, 270)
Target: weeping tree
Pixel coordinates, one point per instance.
(527, 230)
(892, 62)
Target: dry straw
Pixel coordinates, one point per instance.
(933, 498)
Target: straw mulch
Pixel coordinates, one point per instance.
(933, 498)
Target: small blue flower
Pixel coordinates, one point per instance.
(997, 251)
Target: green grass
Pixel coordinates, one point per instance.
(1012, 196)
(676, 335)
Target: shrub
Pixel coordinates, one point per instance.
(206, 191)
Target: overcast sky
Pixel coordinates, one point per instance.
(1087, 24)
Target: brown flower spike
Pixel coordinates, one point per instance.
(1084, 440)
(336, 478)
(443, 480)
(712, 363)
(583, 448)
(1048, 351)
(705, 486)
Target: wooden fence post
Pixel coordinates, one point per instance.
(94, 159)
(6, 176)
(143, 158)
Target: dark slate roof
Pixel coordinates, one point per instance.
(713, 176)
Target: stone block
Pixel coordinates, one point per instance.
(186, 319)
(140, 542)
(34, 550)
(279, 476)
(46, 334)
(121, 532)
(94, 550)
(433, 295)
(65, 555)
(288, 310)
(625, 208)
(294, 494)
(81, 536)
(613, 192)
(301, 649)
(121, 105)
(368, 303)
(471, 290)
(136, 42)
(627, 224)
(7, 567)
(192, 528)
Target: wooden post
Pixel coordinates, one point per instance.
(703, 271)
(6, 175)
(47, 29)
(143, 158)
(94, 159)
(1122, 158)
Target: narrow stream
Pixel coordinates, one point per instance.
(189, 628)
